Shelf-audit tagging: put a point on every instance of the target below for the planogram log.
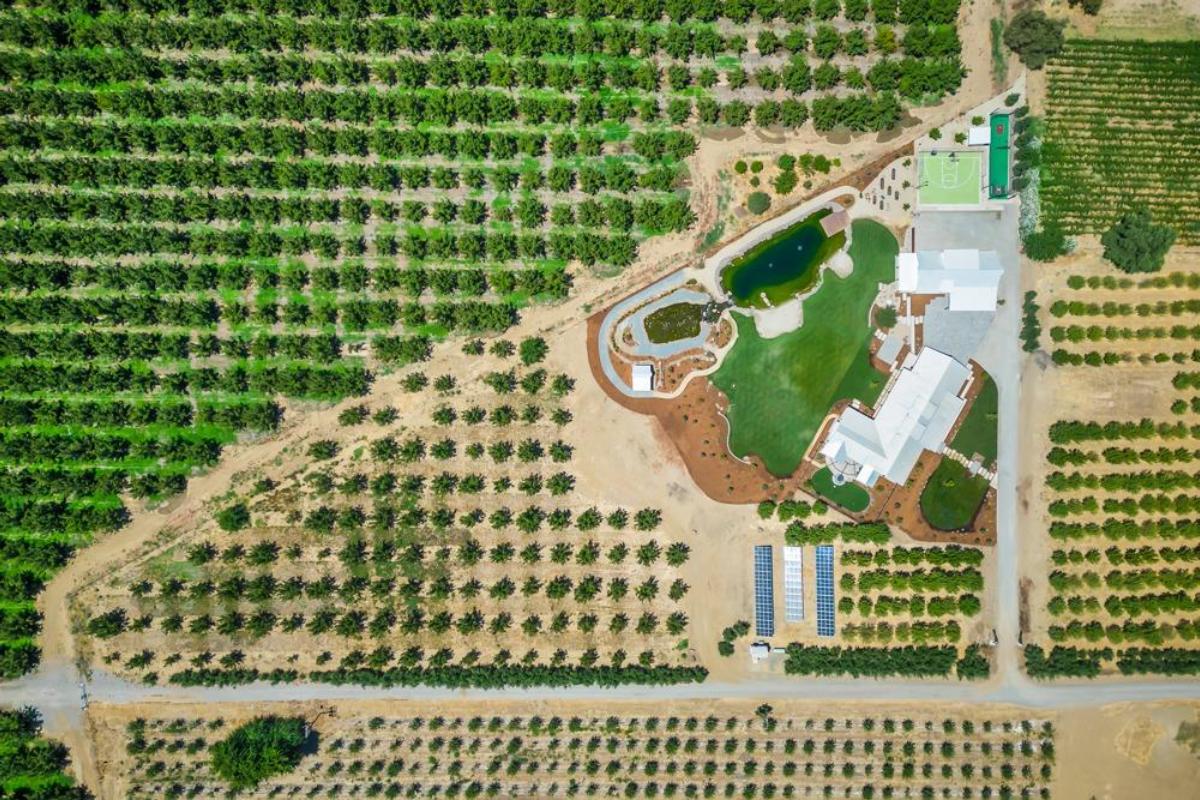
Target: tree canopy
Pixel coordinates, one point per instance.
(1034, 37)
(1136, 244)
(1046, 244)
(261, 748)
(234, 518)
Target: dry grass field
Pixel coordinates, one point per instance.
(566, 749)
(1109, 505)
(449, 533)
(676, 749)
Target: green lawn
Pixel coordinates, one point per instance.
(978, 431)
(952, 496)
(780, 389)
(849, 496)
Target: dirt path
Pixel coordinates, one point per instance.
(161, 527)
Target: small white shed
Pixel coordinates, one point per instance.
(643, 377)
(979, 135)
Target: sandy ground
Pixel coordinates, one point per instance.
(1128, 391)
(1125, 751)
(1109, 753)
(347, 720)
(1134, 19)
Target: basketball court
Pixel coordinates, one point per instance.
(950, 178)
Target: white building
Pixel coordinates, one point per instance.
(978, 135)
(643, 377)
(917, 414)
(970, 278)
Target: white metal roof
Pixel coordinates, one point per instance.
(979, 135)
(917, 414)
(643, 377)
(971, 278)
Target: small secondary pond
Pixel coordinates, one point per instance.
(782, 267)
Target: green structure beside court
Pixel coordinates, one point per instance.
(950, 178)
(998, 157)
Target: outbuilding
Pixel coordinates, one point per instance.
(643, 377)
(970, 278)
(979, 135)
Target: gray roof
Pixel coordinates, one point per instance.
(955, 333)
(890, 348)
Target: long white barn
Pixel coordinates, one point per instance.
(970, 278)
(916, 415)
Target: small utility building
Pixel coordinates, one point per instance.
(970, 278)
(917, 414)
(979, 135)
(643, 377)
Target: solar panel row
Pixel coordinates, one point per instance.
(793, 583)
(764, 591)
(825, 608)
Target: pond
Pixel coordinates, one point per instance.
(782, 267)
(674, 322)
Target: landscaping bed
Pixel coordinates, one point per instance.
(674, 322)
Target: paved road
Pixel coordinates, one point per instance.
(1000, 355)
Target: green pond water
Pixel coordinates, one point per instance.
(785, 265)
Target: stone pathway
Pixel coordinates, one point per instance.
(974, 467)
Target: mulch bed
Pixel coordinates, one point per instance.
(694, 425)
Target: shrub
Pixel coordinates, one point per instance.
(234, 518)
(323, 449)
(785, 182)
(758, 202)
(1089, 7)
(108, 624)
(259, 749)
(885, 317)
(533, 350)
(353, 415)
(1046, 244)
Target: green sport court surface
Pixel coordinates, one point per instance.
(951, 178)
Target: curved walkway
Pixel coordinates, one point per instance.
(617, 313)
(707, 276)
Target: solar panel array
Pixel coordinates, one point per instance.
(764, 591)
(793, 583)
(825, 590)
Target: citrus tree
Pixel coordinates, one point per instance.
(261, 748)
